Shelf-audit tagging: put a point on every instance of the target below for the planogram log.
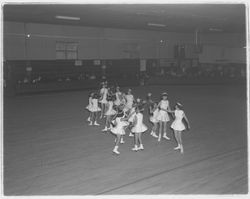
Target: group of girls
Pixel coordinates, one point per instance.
(122, 112)
(160, 115)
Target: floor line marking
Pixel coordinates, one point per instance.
(169, 170)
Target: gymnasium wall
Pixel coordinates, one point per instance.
(220, 54)
(94, 43)
(107, 43)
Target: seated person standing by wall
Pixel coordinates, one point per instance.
(28, 70)
(104, 67)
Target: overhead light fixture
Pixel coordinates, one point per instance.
(215, 30)
(156, 24)
(67, 17)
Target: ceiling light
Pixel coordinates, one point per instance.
(215, 30)
(156, 24)
(67, 17)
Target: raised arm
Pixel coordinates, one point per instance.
(124, 119)
(169, 109)
(130, 114)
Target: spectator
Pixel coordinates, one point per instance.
(28, 72)
(103, 67)
(92, 76)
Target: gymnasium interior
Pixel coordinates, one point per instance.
(54, 55)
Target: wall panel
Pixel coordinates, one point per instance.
(108, 43)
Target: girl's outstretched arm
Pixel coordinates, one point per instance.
(159, 104)
(130, 114)
(169, 110)
(113, 117)
(185, 117)
(124, 119)
(164, 109)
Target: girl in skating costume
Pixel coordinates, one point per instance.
(119, 124)
(109, 112)
(103, 100)
(131, 117)
(111, 91)
(129, 101)
(178, 125)
(95, 109)
(154, 111)
(123, 100)
(118, 96)
(163, 116)
(138, 129)
(89, 107)
(132, 113)
(149, 102)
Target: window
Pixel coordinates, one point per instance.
(66, 50)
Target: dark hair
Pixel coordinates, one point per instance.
(148, 98)
(109, 98)
(140, 108)
(120, 114)
(119, 108)
(104, 84)
(96, 96)
(135, 104)
(113, 97)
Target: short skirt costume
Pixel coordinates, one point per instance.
(163, 115)
(153, 118)
(139, 126)
(118, 96)
(129, 102)
(89, 107)
(110, 110)
(178, 125)
(119, 129)
(104, 93)
(95, 107)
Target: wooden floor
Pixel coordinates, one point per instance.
(50, 150)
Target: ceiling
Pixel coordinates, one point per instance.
(229, 18)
